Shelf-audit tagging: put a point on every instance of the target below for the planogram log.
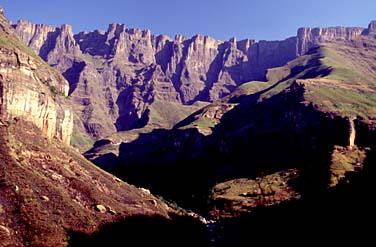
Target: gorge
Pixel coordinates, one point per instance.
(267, 139)
(130, 70)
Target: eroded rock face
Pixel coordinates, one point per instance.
(115, 75)
(31, 93)
(310, 37)
(371, 28)
(31, 90)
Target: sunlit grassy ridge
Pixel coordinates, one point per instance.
(338, 77)
(350, 87)
(166, 114)
(12, 42)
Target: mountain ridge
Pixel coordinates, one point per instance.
(128, 69)
(315, 114)
(50, 195)
(295, 145)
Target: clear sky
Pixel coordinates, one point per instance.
(221, 19)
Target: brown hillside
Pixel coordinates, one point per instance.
(48, 189)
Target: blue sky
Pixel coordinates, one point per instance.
(254, 19)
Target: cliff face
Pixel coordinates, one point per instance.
(310, 117)
(116, 75)
(31, 90)
(310, 37)
(371, 30)
(50, 195)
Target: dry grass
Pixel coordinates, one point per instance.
(234, 197)
(34, 168)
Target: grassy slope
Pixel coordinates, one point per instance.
(339, 77)
(238, 196)
(167, 114)
(350, 88)
(10, 41)
(163, 115)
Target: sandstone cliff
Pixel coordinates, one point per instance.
(371, 30)
(32, 90)
(316, 114)
(310, 37)
(116, 75)
(49, 194)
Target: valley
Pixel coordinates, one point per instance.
(110, 136)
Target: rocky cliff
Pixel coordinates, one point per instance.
(311, 37)
(117, 75)
(49, 194)
(371, 30)
(316, 114)
(32, 90)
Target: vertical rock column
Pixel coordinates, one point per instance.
(352, 133)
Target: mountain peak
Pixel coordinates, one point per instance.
(372, 27)
(67, 28)
(116, 27)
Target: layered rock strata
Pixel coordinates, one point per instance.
(115, 75)
(31, 90)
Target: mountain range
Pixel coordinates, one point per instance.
(131, 72)
(50, 195)
(262, 137)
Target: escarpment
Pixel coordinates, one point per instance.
(32, 90)
(127, 69)
(311, 37)
(50, 195)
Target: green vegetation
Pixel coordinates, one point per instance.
(345, 160)
(342, 61)
(80, 139)
(337, 78)
(166, 114)
(342, 101)
(11, 41)
(174, 205)
(241, 195)
(202, 123)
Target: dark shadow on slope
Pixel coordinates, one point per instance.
(72, 75)
(146, 231)
(128, 113)
(177, 75)
(191, 118)
(254, 139)
(313, 69)
(341, 215)
(49, 45)
(163, 57)
(176, 164)
(94, 43)
(212, 74)
(279, 133)
(108, 162)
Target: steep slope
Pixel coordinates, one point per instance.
(30, 89)
(49, 191)
(118, 74)
(316, 115)
(49, 194)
